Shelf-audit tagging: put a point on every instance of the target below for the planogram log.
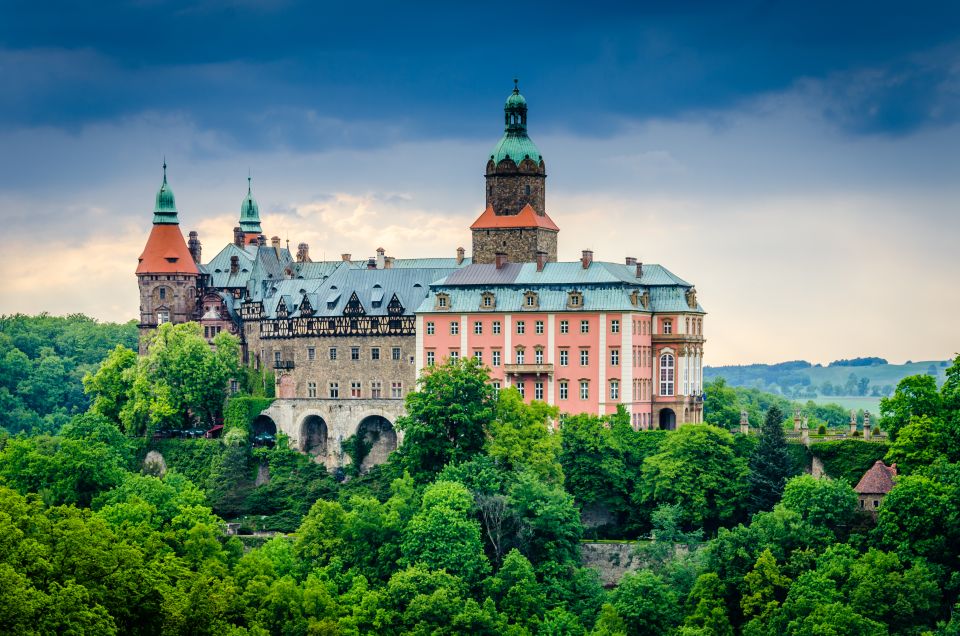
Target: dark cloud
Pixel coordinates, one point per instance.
(319, 75)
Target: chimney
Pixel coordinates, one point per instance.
(262, 240)
(460, 253)
(381, 260)
(500, 259)
(234, 264)
(388, 262)
(541, 260)
(194, 246)
(586, 258)
(631, 260)
(238, 236)
(303, 253)
(371, 263)
(345, 257)
(639, 269)
(275, 242)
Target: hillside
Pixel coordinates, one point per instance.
(857, 383)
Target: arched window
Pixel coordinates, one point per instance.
(666, 374)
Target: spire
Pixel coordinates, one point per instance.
(250, 211)
(515, 143)
(165, 210)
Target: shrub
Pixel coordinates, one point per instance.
(822, 429)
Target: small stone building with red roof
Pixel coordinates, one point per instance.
(875, 484)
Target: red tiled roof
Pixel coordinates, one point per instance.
(878, 480)
(527, 218)
(166, 252)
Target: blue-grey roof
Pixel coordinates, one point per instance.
(375, 288)
(605, 287)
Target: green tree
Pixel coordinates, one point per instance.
(825, 502)
(520, 437)
(920, 517)
(766, 588)
(915, 396)
(646, 604)
(698, 470)
(721, 407)
(708, 612)
(770, 464)
(111, 384)
(516, 591)
(448, 419)
(181, 381)
(444, 535)
(881, 587)
(593, 468)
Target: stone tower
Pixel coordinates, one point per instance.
(166, 273)
(250, 217)
(515, 220)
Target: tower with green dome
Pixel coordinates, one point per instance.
(516, 174)
(515, 222)
(250, 216)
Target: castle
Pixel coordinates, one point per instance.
(347, 339)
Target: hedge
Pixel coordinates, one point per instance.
(848, 458)
(192, 458)
(800, 458)
(242, 410)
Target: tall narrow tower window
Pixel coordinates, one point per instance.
(526, 190)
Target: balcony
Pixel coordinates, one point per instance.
(677, 337)
(283, 364)
(528, 369)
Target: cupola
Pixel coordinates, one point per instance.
(250, 213)
(165, 210)
(515, 144)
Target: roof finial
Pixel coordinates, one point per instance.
(516, 86)
(164, 168)
(249, 183)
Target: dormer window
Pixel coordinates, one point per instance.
(488, 300)
(574, 300)
(443, 301)
(531, 300)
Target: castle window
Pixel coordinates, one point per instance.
(375, 353)
(538, 390)
(496, 385)
(431, 358)
(311, 353)
(614, 389)
(564, 326)
(430, 328)
(234, 386)
(355, 391)
(521, 386)
(519, 356)
(478, 356)
(354, 353)
(667, 374)
(526, 190)
(334, 391)
(496, 358)
(574, 300)
(487, 300)
(496, 327)
(443, 301)
(333, 353)
(530, 300)
(614, 357)
(478, 327)
(395, 354)
(538, 326)
(538, 355)
(163, 293)
(584, 326)
(276, 357)
(614, 326)
(584, 390)
(584, 357)
(667, 326)
(564, 357)
(454, 355)
(162, 317)
(454, 328)
(311, 389)
(376, 389)
(564, 389)
(521, 327)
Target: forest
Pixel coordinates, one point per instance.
(474, 524)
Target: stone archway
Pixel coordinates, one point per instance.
(379, 434)
(314, 436)
(264, 431)
(668, 420)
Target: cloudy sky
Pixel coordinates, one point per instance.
(797, 161)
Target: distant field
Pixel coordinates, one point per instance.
(879, 374)
(871, 404)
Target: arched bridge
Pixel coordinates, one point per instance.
(318, 426)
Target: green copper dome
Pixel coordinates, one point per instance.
(250, 212)
(165, 210)
(515, 143)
